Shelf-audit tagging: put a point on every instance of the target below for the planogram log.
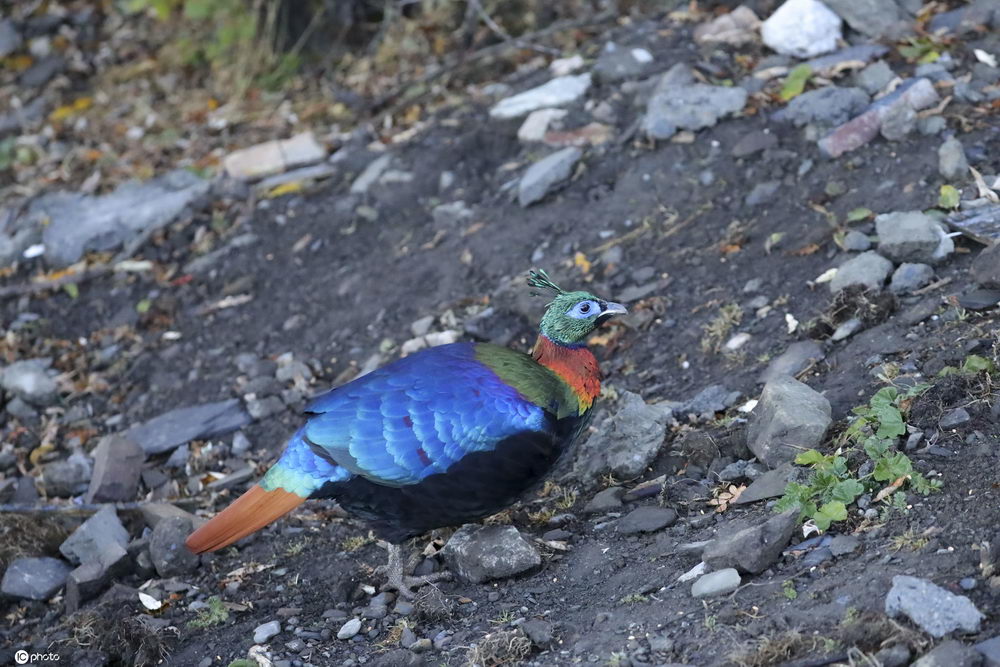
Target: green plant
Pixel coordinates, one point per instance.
(973, 365)
(788, 589)
(832, 486)
(633, 598)
(215, 613)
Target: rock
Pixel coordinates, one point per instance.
(79, 223)
(198, 422)
(349, 629)
(539, 632)
(754, 142)
(117, 468)
(936, 611)
(689, 107)
(265, 632)
(769, 485)
(790, 417)
(846, 329)
(915, 93)
(875, 77)
(89, 540)
(483, 553)
(952, 164)
(907, 236)
(708, 401)
(591, 134)
(30, 381)
(717, 583)
(625, 443)
(855, 241)
(738, 27)
(10, 38)
(371, 174)
(910, 277)
(869, 269)
(166, 548)
(646, 519)
(753, 550)
(537, 123)
(301, 176)
(848, 57)
(874, 18)
(950, 653)
(955, 418)
(842, 545)
(897, 122)
(827, 107)
(986, 267)
(931, 125)
(558, 92)
(34, 578)
(273, 157)
(545, 174)
(607, 500)
(990, 650)
(42, 71)
(897, 655)
(90, 578)
(802, 28)
(792, 361)
(154, 513)
(69, 477)
(762, 193)
(980, 299)
(262, 408)
(617, 63)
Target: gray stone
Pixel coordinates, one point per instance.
(69, 477)
(986, 267)
(648, 519)
(955, 418)
(848, 57)
(869, 269)
(79, 223)
(349, 629)
(935, 610)
(451, 214)
(30, 381)
(873, 18)
(367, 178)
(874, 77)
(855, 241)
(708, 401)
(483, 553)
(754, 142)
(42, 71)
(88, 541)
(908, 236)
(763, 193)
(539, 632)
(607, 500)
(931, 125)
(770, 485)
(167, 550)
(560, 91)
(898, 121)
(910, 277)
(790, 418)
(618, 63)
(262, 408)
(173, 429)
(689, 107)
(625, 443)
(980, 299)
(897, 655)
(841, 545)
(717, 583)
(827, 107)
(264, 632)
(753, 550)
(950, 653)
(34, 578)
(792, 361)
(846, 329)
(990, 650)
(545, 174)
(802, 28)
(90, 578)
(117, 468)
(952, 164)
(11, 122)
(10, 38)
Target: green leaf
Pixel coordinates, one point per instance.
(890, 422)
(830, 512)
(948, 370)
(929, 57)
(949, 197)
(143, 306)
(847, 491)
(795, 82)
(876, 448)
(883, 397)
(892, 467)
(198, 9)
(811, 457)
(916, 390)
(72, 289)
(860, 213)
(975, 364)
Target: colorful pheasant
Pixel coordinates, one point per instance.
(448, 435)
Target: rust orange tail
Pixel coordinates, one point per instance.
(249, 513)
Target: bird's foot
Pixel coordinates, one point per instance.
(397, 578)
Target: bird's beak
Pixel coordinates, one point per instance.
(610, 310)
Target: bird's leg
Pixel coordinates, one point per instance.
(397, 578)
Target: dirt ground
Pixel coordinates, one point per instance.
(331, 286)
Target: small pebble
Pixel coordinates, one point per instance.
(349, 629)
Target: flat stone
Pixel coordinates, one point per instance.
(371, 174)
(986, 267)
(349, 629)
(950, 653)
(754, 142)
(842, 545)
(42, 71)
(952, 163)
(89, 540)
(117, 468)
(874, 18)
(846, 329)
(935, 610)
(625, 443)
(29, 380)
(198, 422)
(910, 277)
(789, 418)
(955, 418)
(717, 583)
(10, 38)
(753, 550)
(980, 299)
(990, 650)
(608, 500)
(618, 63)
(762, 193)
(908, 236)
(273, 157)
(34, 578)
(537, 123)
(265, 632)
(484, 553)
(740, 26)
(646, 520)
(827, 107)
(689, 107)
(875, 77)
(558, 92)
(794, 360)
(545, 174)
(869, 270)
(802, 28)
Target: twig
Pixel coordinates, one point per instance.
(45, 285)
(933, 286)
(506, 36)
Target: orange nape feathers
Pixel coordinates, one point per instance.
(249, 513)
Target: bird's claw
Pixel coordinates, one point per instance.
(406, 585)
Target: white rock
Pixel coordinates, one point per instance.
(349, 629)
(537, 123)
(432, 339)
(557, 92)
(564, 66)
(371, 173)
(642, 56)
(737, 341)
(802, 28)
(264, 632)
(273, 157)
(695, 572)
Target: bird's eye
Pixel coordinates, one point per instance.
(584, 307)
(582, 310)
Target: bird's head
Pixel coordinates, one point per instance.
(572, 316)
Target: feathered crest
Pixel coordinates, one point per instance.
(539, 279)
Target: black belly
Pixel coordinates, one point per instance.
(476, 486)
